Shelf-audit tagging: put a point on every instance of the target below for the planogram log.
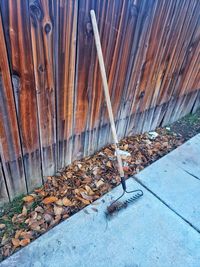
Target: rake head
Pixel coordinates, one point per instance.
(117, 205)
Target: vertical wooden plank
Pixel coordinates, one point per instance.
(65, 54)
(136, 67)
(110, 34)
(180, 37)
(42, 27)
(16, 21)
(84, 74)
(10, 148)
(125, 30)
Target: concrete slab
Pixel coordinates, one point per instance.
(145, 234)
(187, 156)
(171, 180)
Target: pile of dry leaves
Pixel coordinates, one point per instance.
(80, 184)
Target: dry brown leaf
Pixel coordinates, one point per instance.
(99, 183)
(78, 191)
(24, 242)
(15, 242)
(26, 235)
(2, 226)
(67, 202)
(58, 210)
(24, 211)
(125, 147)
(89, 190)
(34, 215)
(85, 196)
(109, 164)
(87, 180)
(6, 253)
(37, 190)
(49, 200)
(65, 216)
(35, 226)
(42, 193)
(59, 202)
(39, 209)
(86, 202)
(28, 199)
(48, 218)
(18, 233)
(4, 239)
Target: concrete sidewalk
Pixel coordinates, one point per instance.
(161, 229)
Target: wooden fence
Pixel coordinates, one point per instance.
(52, 109)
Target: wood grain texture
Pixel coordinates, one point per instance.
(18, 38)
(66, 13)
(42, 30)
(52, 107)
(10, 147)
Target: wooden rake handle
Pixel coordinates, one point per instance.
(106, 93)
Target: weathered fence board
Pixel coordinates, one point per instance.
(66, 13)
(16, 21)
(42, 30)
(52, 104)
(10, 147)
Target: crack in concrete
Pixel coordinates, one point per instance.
(196, 177)
(155, 195)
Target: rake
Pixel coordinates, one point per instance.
(116, 205)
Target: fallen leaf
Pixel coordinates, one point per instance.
(18, 233)
(67, 202)
(6, 253)
(57, 210)
(78, 191)
(89, 190)
(39, 209)
(59, 202)
(34, 215)
(24, 242)
(28, 199)
(85, 196)
(109, 164)
(49, 200)
(99, 183)
(24, 211)
(86, 202)
(37, 190)
(4, 239)
(2, 226)
(125, 147)
(16, 242)
(65, 216)
(48, 218)
(26, 235)
(35, 226)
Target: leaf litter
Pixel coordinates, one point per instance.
(78, 185)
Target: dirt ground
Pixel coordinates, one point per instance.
(188, 126)
(83, 182)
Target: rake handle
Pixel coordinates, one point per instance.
(107, 95)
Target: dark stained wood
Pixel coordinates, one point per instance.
(42, 28)
(10, 148)
(65, 54)
(16, 21)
